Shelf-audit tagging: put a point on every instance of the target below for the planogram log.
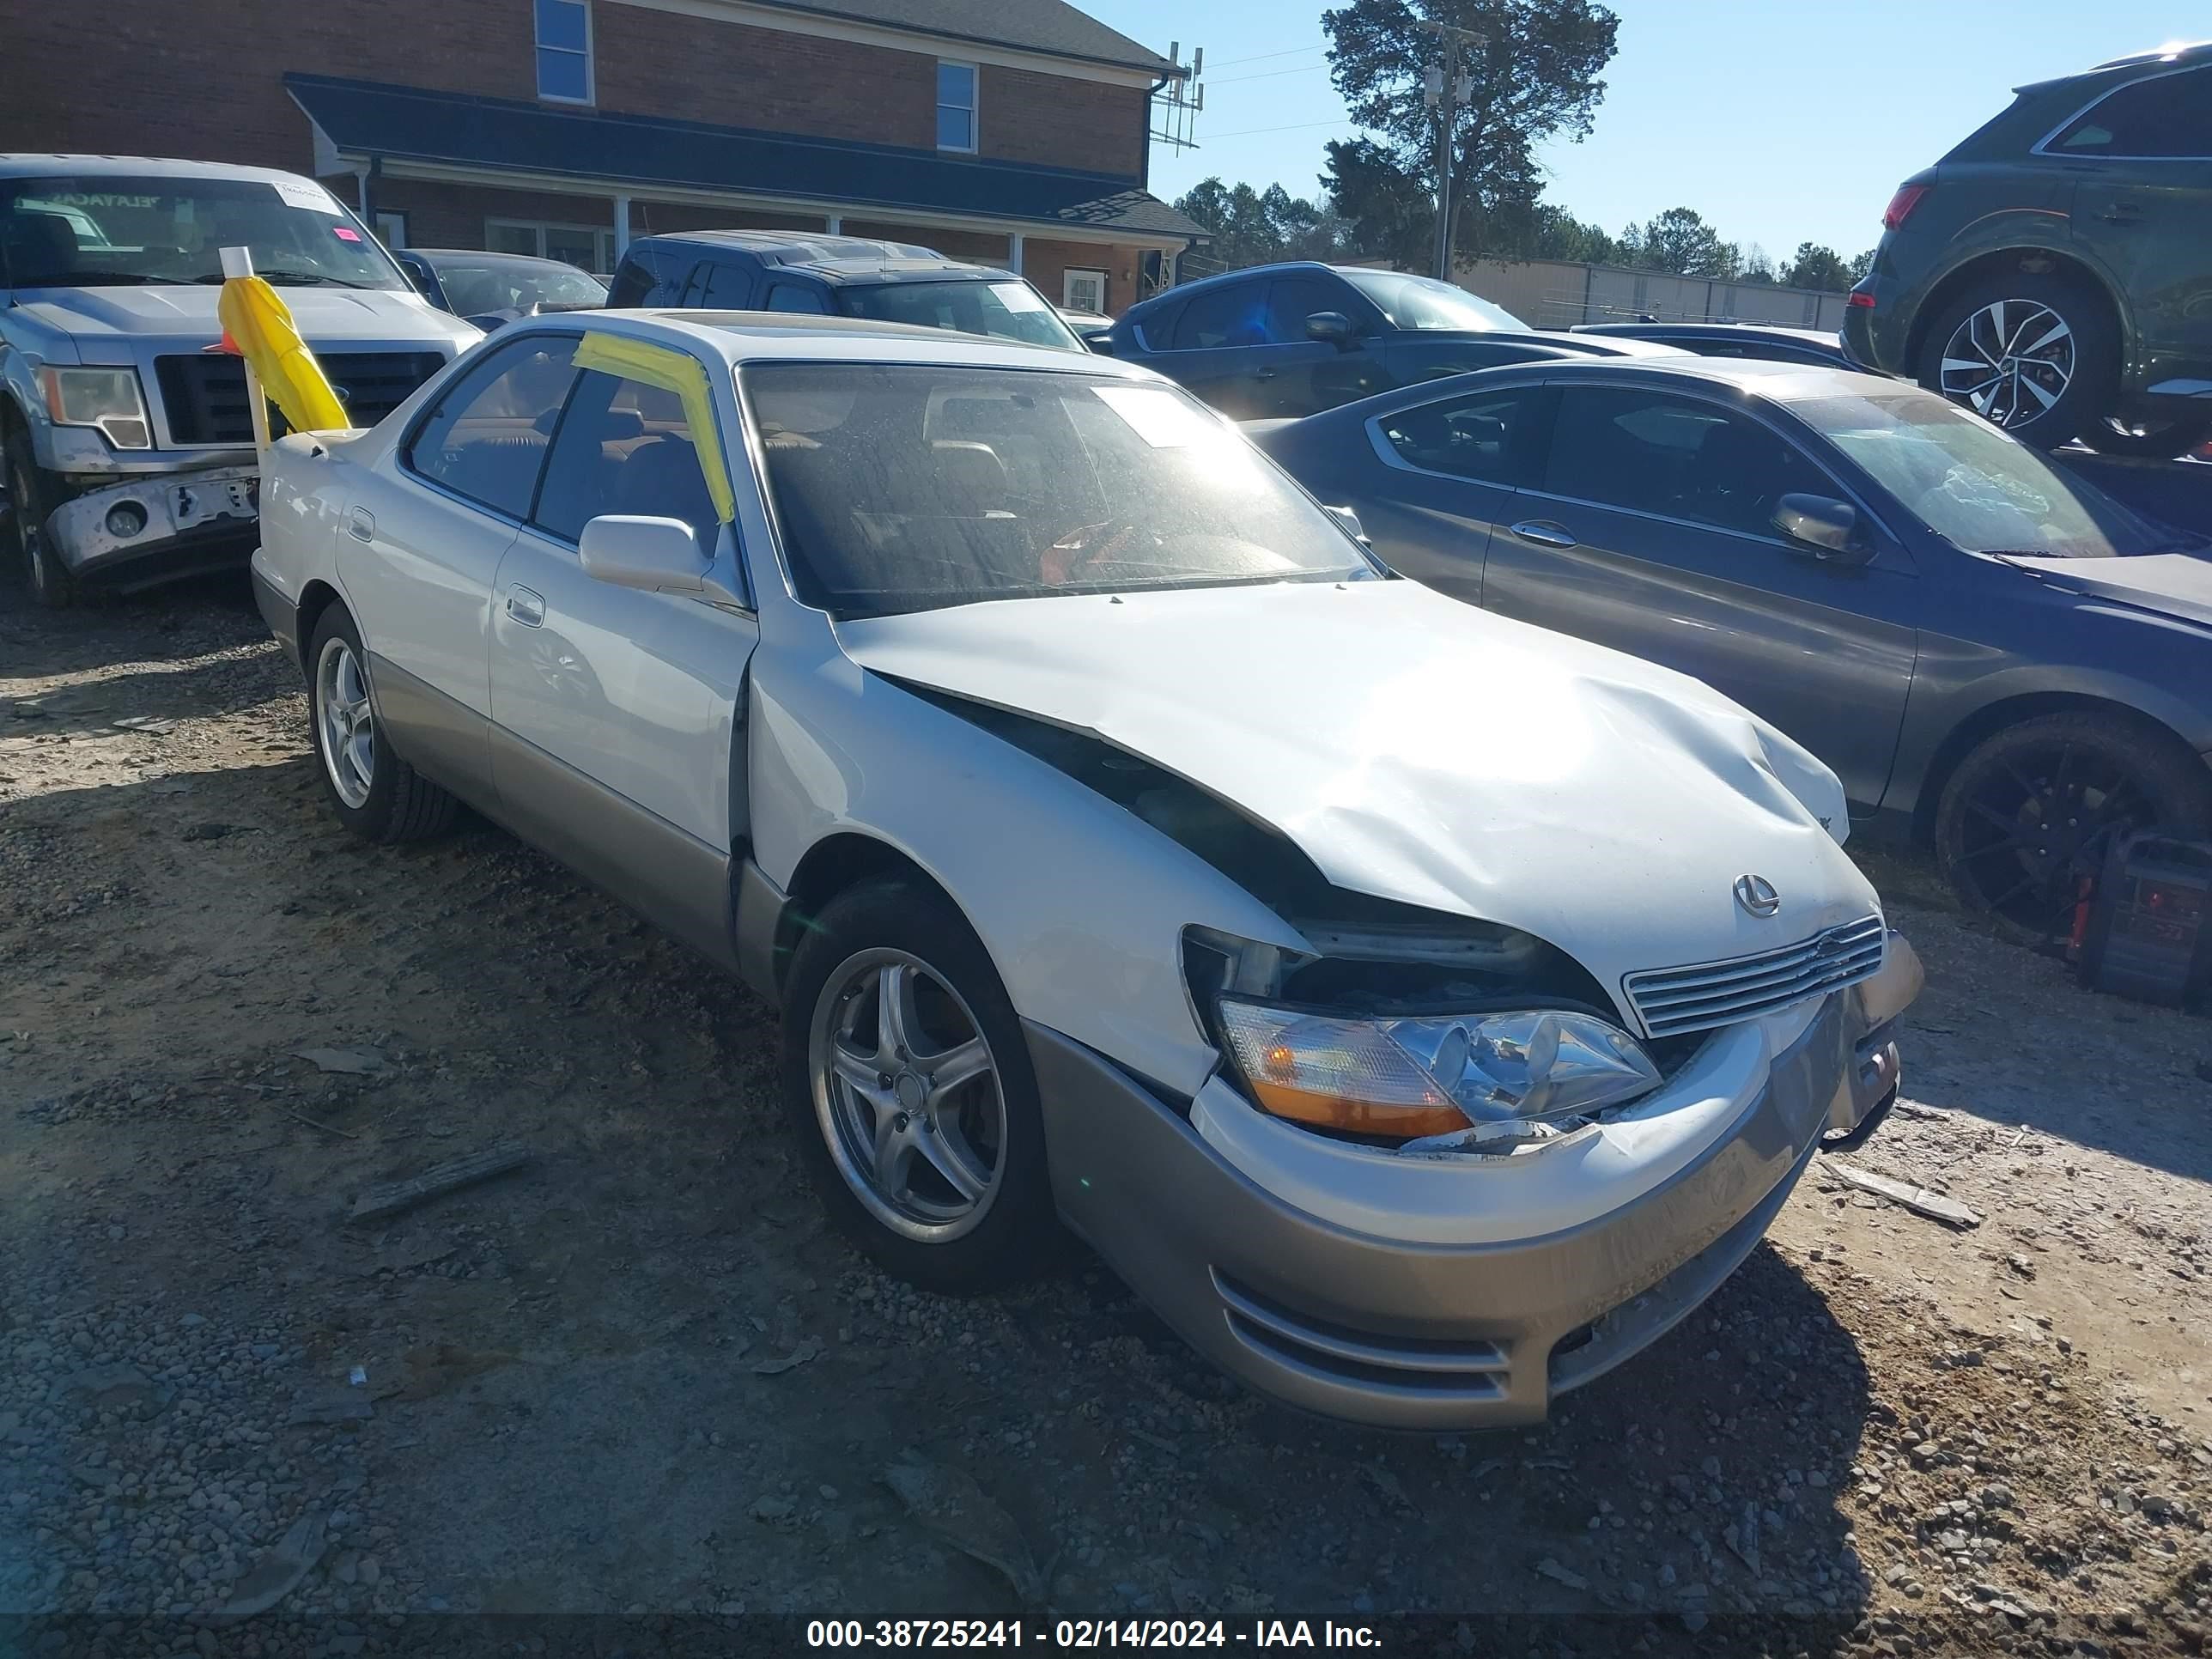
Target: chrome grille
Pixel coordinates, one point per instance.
(1672, 1001)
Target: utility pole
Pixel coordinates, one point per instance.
(1447, 90)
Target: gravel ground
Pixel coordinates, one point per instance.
(640, 1379)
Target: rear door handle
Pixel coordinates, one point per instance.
(1265, 374)
(527, 606)
(360, 525)
(1544, 533)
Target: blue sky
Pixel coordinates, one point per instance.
(1782, 121)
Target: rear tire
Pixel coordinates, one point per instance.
(30, 499)
(2034, 808)
(376, 794)
(945, 1186)
(2156, 440)
(2039, 356)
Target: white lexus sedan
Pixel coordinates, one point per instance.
(1422, 1010)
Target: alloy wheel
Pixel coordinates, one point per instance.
(907, 1095)
(345, 722)
(2009, 362)
(30, 533)
(2038, 825)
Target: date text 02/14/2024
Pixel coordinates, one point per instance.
(1072, 1634)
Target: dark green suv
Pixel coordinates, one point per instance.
(2054, 271)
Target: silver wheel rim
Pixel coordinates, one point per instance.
(345, 722)
(907, 1095)
(2009, 361)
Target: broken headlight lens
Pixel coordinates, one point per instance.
(107, 399)
(1408, 1078)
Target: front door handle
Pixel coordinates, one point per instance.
(527, 606)
(2121, 213)
(1544, 533)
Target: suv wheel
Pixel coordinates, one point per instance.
(2039, 356)
(2156, 440)
(28, 504)
(2028, 816)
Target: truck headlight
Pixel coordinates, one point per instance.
(1414, 1077)
(107, 399)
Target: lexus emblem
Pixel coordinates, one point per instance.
(1757, 894)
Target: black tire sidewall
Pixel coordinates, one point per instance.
(2177, 782)
(2089, 396)
(373, 818)
(20, 467)
(2170, 442)
(1020, 1232)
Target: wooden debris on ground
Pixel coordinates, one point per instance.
(1919, 1199)
(393, 1196)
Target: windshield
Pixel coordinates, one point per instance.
(475, 284)
(1978, 489)
(1003, 311)
(903, 487)
(1424, 302)
(94, 232)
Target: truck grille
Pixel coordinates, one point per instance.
(205, 394)
(1672, 1001)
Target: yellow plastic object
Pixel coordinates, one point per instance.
(260, 324)
(685, 376)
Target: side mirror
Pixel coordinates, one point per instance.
(1100, 340)
(1332, 326)
(1348, 521)
(656, 555)
(1823, 524)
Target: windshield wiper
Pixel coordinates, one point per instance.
(309, 278)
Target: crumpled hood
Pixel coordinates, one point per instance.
(184, 314)
(2178, 584)
(1419, 750)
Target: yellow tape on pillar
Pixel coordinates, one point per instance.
(259, 324)
(684, 375)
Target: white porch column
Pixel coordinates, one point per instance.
(1014, 251)
(622, 227)
(834, 225)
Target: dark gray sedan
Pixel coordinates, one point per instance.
(1992, 654)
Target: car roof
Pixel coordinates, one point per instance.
(836, 258)
(2173, 51)
(1708, 331)
(1761, 377)
(757, 337)
(31, 165)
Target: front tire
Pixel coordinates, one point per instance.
(907, 1080)
(376, 794)
(2039, 356)
(30, 499)
(2033, 809)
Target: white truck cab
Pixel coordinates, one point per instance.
(126, 444)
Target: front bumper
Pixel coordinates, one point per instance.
(1441, 1337)
(189, 522)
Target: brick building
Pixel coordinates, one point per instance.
(1009, 131)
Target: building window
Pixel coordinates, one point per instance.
(1084, 290)
(564, 49)
(956, 107)
(587, 247)
(391, 227)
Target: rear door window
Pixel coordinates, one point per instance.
(727, 287)
(2166, 116)
(792, 296)
(1236, 315)
(487, 438)
(1483, 438)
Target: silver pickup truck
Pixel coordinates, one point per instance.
(127, 439)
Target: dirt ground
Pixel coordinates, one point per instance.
(639, 1376)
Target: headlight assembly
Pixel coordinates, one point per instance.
(107, 399)
(1472, 1078)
